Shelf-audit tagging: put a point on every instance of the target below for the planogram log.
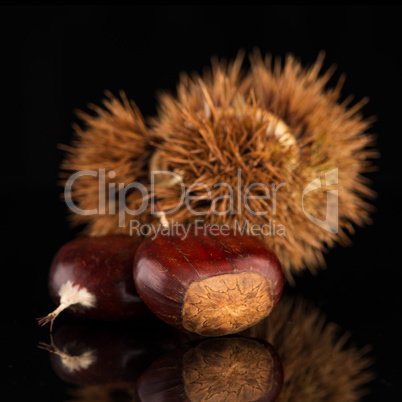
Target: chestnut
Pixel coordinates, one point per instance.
(233, 369)
(92, 278)
(207, 282)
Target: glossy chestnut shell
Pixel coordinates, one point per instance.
(101, 269)
(208, 283)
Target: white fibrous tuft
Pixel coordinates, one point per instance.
(72, 294)
(80, 362)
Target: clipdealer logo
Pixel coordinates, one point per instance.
(108, 204)
(330, 223)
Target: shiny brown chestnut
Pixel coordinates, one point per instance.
(235, 369)
(92, 278)
(209, 280)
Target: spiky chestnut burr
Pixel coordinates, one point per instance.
(114, 138)
(208, 283)
(92, 278)
(233, 369)
(227, 120)
(280, 125)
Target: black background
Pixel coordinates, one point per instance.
(58, 59)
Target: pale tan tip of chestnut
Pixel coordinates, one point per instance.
(226, 304)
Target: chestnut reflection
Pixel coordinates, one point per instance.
(93, 353)
(218, 369)
(319, 364)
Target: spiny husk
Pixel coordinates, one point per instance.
(213, 128)
(318, 365)
(114, 138)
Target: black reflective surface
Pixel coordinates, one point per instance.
(59, 59)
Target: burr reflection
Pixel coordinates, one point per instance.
(319, 362)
